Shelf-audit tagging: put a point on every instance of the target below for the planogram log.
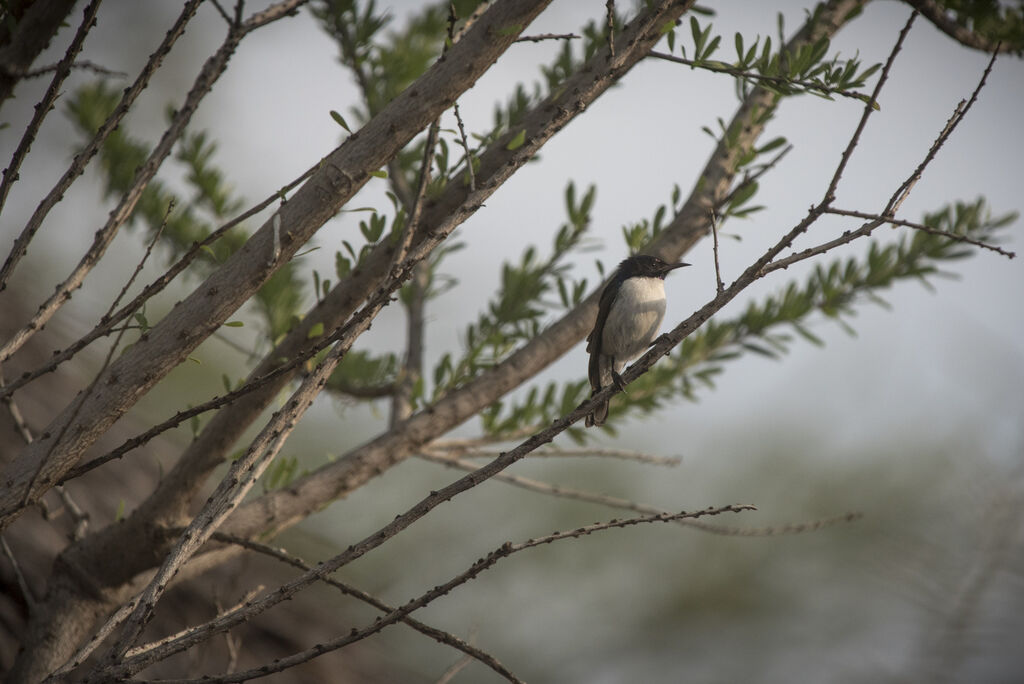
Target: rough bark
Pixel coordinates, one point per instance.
(191, 321)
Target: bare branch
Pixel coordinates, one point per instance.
(958, 115)
(921, 227)
(547, 36)
(868, 110)
(340, 175)
(34, 31)
(110, 322)
(222, 12)
(432, 632)
(144, 174)
(84, 65)
(202, 632)
(609, 8)
(719, 285)
(276, 510)
(462, 448)
(42, 108)
(898, 196)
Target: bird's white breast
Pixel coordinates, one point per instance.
(634, 319)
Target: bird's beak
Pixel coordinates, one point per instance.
(672, 267)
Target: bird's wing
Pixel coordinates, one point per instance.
(593, 339)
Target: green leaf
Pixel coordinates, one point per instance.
(379, 173)
(340, 120)
(517, 141)
(315, 331)
(234, 324)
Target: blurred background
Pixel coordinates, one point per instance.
(915, 421)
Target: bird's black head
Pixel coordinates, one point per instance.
(646, 266)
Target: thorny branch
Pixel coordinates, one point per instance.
(202, 632)
(432, 632)
(43, 107)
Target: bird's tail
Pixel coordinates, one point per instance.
(600, 372)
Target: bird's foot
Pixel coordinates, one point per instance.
(617, 379)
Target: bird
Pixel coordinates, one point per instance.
(629, 317)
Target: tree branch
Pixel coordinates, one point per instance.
(282, 508)
(945, 21)
(203, 632)
(82, 159)
(44, 106)
(35, 29)
(342, 173)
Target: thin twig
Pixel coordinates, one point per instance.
(921, 227)
(452, 18)
(83, 64)
(84, 396)
(432, 632)
(898, 197)
(224, 14)
(411, 224)
(868, 110)
(79, 518)
(559, 491)
(141, 650)
(719, 285)
(89, 151)
(546, 36)
(26, 591)
(142, 262)
(465, 146)
(42, 108)
(609, 7)
(959, 113)
(108, 324)
(458, 666)
(202, 632)
(459, 447)
(19, 421)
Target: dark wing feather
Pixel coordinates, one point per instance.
(596, 372)
(607, 296)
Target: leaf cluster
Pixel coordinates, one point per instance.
(785, 72)
(770, 326)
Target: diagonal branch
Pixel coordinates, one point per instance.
(432, 632)
(282, 508)
(84, 157)
(222, 623)
(340, 175)
(36, 27)
(43, 107)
